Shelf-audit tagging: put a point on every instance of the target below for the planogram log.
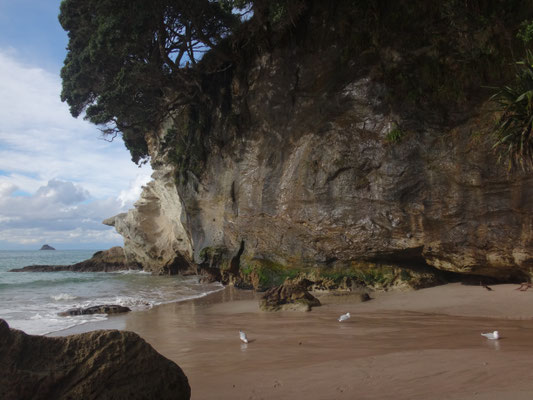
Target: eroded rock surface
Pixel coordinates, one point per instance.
(154, 231)
(101, 309)
(313, 177)
(95, 365)
(423, 201)
(288, 297)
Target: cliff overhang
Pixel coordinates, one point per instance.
(327, 152)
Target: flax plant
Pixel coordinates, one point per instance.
(514, 128)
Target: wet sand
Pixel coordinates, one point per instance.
(411, 345)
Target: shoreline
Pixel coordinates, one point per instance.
(403, 345)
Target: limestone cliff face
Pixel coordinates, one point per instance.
(337, 192)
(321, 176)
(154, 233)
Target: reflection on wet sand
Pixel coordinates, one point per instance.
(313, 356)
(399, 346)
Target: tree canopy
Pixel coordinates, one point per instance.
(130, 62)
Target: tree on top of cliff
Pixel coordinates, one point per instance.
(130, 63)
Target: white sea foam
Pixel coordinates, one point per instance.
(45, 323)
(190, 297)
(63, 296)
(131, 272)
(32, 301)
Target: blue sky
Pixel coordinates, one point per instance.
(58, 178)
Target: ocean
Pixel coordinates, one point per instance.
(31, 301)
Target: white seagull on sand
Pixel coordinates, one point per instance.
(344, 317)
(491, 335)
(243, 337)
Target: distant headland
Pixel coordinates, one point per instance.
(46, 247)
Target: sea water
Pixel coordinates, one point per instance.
(31, 301)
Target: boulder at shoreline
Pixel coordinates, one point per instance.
(101, 261)
(288, 297)
(95, 365)
(102, 309)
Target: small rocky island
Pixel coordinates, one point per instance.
(46, 247)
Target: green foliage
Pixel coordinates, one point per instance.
(184, 142)
(215, 257)
(131, 62)
(215, 252)
(514, 128)
(378, 276)
(525, 34)
(277, 12)
(267, 272)
(434, 56)
(337, 275)
(395, 135)
(136, 144)
(405, 275)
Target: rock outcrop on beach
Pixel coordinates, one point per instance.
(95, 365)
(46, 247)
(101, 261)
(154, 232)
(101, 309)
(322, 156)
(288, 297)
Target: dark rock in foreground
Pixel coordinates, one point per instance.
(288, 297)
(101, 261)
(103, 309)
(46, 247)
(95, 365)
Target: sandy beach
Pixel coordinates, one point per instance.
(423, 344)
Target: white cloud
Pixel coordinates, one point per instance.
(60, 212)
(70, 179)
(6, 189)
(62, 192)
(132, 194)
(40, 140)
(58, 205)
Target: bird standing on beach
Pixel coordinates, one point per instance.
(491, 335)
(243, 337)
(344, 317)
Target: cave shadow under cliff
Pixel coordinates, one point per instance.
(413, 260)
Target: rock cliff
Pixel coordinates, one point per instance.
(154, 231)
(326, 168)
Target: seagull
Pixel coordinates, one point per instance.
(491, 335)
(344, 317)
(243, 337)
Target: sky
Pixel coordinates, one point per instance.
(58, 178)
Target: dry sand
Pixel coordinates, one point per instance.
(411, 345)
